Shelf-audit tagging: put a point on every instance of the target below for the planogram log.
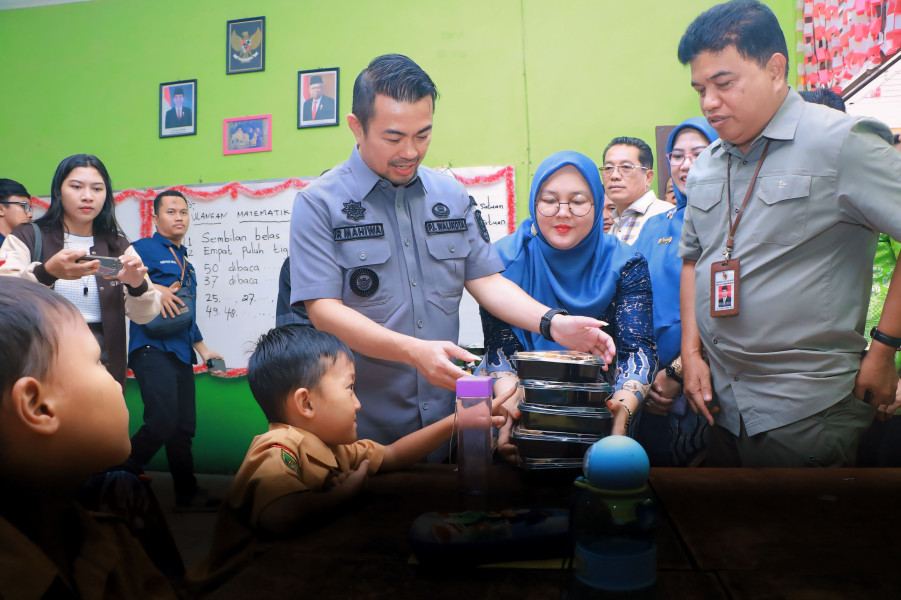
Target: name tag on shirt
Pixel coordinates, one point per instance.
(724, 280)
(445, 226)
(359, 232)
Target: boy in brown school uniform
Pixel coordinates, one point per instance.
(310, 461)
(62, 418)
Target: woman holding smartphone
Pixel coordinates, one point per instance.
(81, 221)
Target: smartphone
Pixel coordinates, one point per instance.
(108, 266)
(216, 364)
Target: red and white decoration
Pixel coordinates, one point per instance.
(843, 39)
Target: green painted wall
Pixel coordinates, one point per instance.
(519, 79)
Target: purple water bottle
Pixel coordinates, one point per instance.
(474, 432)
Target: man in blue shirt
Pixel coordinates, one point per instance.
(163, 364)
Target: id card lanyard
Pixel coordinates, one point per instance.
(725, 276)
(181, 265)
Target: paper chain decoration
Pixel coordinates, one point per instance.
(841, 39)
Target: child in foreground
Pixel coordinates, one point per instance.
(62, 418)
(309, 462)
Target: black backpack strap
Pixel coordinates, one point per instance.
(38, 244)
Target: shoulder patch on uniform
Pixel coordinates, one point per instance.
(354, 210)
(289, 459)
(483, 229)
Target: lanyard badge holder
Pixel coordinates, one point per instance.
(725, 275)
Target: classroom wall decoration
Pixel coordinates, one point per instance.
(245, 45)
(241, 135)
(178, 108)
(843, 39)
(317, 98)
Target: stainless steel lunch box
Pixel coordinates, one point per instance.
(534, 444)
(568, 366)
(566, 394)
(589, 420)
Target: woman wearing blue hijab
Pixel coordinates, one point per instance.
(561, 257)
(672, 435)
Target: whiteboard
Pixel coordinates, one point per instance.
(238, 240)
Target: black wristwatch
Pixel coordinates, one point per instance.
(888, 340)
(672, 374)
(544, 327)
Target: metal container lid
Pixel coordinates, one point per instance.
(560, 356)
(554, 436)
(537, 384)
(600, 412)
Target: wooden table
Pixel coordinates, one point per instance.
(789, 533)
(725, 533)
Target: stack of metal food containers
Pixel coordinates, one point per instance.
(564, 408)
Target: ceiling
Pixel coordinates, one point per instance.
(10, 4)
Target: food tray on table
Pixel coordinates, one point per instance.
(532, 444)
(589, 420)
(565, 394)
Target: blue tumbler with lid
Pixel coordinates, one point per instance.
(613, 523)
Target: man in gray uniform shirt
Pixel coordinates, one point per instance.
(779, 305)
(381, 249)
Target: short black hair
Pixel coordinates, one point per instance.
(29, 340)
(10, 188)
(159, 199)
(824, 97)
(178, 92)
(392, 75)
(748, 25)
(897, 138)
(288, 358)
(645, 155)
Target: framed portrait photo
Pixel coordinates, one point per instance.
(243, 135)
(317, 98)
(178, 108)
(245, 45)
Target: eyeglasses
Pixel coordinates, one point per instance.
(677, 158)
(624, 170)
(25, 205)
(579, 206)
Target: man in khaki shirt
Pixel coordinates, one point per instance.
(787, 372)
